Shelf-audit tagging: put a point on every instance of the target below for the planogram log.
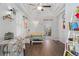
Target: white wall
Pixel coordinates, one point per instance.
(16, 26)
(55, 34)
(62, 32)
(6, 27)
(36, 27)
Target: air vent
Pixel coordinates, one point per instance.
(48, 19)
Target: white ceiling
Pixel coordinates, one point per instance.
(31, 11)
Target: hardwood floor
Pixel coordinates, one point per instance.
(47, 48)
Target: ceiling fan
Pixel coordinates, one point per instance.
(10, 13)
(12, 10)
(40, 6)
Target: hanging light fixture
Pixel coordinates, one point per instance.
(40, 7)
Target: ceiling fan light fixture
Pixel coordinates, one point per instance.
(39, 8)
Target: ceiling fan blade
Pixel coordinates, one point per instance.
(46, 6)
(34, 8)
(31, 4)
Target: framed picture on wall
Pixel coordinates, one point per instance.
(63, 24)
(63, 18)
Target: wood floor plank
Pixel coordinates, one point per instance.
(47, 48)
